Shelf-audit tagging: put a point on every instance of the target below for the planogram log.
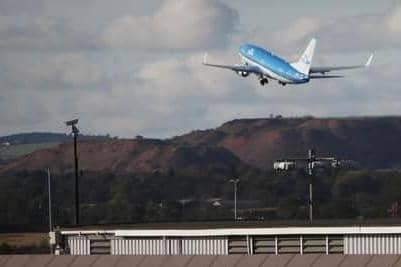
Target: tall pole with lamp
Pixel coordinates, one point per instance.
(235, 183)
(75, 133)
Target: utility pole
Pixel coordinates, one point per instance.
(50, 200)
(311, 159)
(75, 132)
(235, 183)
(50, 207)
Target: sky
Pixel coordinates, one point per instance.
(130, 67)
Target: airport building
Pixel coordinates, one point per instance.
(353, 240)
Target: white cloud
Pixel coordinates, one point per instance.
(54, 72)
(372, 32)
(393, 21)
(178, 24)
(41, 33)
(162, 98)
(132, 91)
(21, 7)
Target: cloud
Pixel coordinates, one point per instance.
(21, 7)
(177, 24)
(172, 96)
(163, 98)
(50, 72)
(393, 21)
(72, 69)
(368, 32)
(41, 33)
(156, 86)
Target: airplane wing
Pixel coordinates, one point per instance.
(325, 76)
(324, 70)
(236, 68)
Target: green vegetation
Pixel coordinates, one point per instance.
(28, 249)
(24, 243)
(174, 196)
(17, 145)
(15, 151)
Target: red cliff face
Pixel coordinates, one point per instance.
(125, 156)
(373, 142)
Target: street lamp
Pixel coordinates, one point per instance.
(75, 132)
(311, 160)
(50, 207)
(235, 183)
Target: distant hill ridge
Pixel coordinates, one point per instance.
(36, 137)
(374, 142)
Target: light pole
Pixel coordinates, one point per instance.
(311, 159)
(75, 132)
(312, 162)
(50, 200)
(235, 183)
(50, 208)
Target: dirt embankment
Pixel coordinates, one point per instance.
(373, 142)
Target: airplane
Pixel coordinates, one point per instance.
(267, 66)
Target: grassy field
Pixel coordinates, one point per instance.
(24, 239)
(15, 151)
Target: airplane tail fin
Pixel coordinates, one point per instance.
(305, 62)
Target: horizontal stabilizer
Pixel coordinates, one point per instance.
(324, 70)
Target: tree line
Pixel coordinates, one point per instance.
(173, 196)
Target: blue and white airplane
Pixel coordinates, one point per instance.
(265, 65)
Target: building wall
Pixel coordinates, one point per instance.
(276, 241)
(204, 246)
(78, 245)
(318, 244)
(169, 246)
(372, 244)
(144, 246)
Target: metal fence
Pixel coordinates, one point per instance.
(372, 244)
(79, 245)
(204, 246)
(144, 246)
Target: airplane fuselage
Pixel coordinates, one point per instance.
(267, 66)
(272, 66)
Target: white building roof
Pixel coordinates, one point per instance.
(352, 230)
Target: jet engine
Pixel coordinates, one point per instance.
(243, 73)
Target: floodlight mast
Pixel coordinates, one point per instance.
(311, 160)
(75, 133)
(50, 206)
(71, 122)
(235, 183)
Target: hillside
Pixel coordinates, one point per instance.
(17, 145)
(35, 138)
(148, 180)
(127, 156)
(373, 142)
